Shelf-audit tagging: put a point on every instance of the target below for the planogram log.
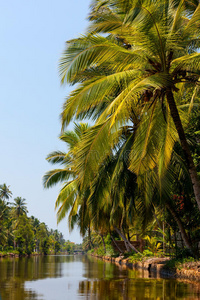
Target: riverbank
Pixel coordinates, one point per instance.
(160, 267)
(16, 254)
(3, 254)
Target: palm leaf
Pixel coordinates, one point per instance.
(65, 199)
(57, 157)
(53, 177)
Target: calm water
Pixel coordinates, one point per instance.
(82, 277)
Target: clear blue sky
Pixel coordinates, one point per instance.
(33, 35)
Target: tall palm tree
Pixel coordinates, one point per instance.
(5, 192)
(69, 195)
(147, 53)
(19, 206)
(4, 210)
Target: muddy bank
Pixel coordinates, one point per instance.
(157, 266)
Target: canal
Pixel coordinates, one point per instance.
(81, 277)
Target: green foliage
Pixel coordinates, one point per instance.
(148, 253)
(19, 207)
(5, 192)
(91, 251)
(45, 246)
(183, 253)
(178, 263)
(100, 251)
(23, 235)
(153, 245)
(57, 247)
(108, 239)
(135, 257)
(136, 72)
(109, 250)
(69, 247)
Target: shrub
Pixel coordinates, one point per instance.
(147, 253)
(135, 257)
(183, 253)
(90, 251)
(109, 250)
(177, 263)
(100, 251)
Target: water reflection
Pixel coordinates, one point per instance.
(120, 283)
(82, 277)
(15, 272)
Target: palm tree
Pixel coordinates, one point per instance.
(147, 53)
(5, 192)
(4, 210)
(19, 206)
(69, 195)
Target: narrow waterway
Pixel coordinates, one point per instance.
(82, 277)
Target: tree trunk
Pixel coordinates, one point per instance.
(180, 226)
(185, 146)
(127, 243)
(89, 237)
(125, 240)
(120, 251)
(104, 246)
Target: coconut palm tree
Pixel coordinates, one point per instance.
(146, 55)
(19, 206)
(69, 195)
(5, 192)
(4, 210)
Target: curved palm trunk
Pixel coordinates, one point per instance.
(181, 227)
(104, 246)
(120, 251)
(127, 243)
(89, 237)
(185, 146)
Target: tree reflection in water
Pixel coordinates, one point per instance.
(111, 282)
(84, 278)
(126, 289)
(14, 272)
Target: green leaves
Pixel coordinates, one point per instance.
(190, 62)
(66, 199)
(134, 54)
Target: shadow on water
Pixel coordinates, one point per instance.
(82, 277)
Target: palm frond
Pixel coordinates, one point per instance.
(65, 199)
(57, 157)
(55, 176)
(190, 61)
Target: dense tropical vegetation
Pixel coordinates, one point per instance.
(23, 235)
(134, 172)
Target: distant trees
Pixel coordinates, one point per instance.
(5, 192)
(24, 234)
(19, 207)
(69, 247)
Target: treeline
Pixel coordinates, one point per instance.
(22, 235)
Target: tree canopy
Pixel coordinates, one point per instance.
(136, 75)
